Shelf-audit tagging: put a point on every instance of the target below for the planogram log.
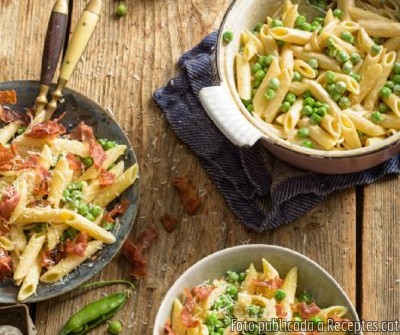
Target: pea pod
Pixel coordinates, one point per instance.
(95, 313)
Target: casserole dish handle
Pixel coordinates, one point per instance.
(227, 117)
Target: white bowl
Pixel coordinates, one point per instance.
(312, 277)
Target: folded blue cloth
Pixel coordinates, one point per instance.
(262, 191)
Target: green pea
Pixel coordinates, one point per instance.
(280, 295)
(330, 42)
(258, 27)
(315, 118)
(313, 27)
(291, 98)
(306, 297)
(114, 328)
(376, 117)
(337, 13)
(319, 20)
(376, 49)
(330, 77)
(347, 67)
(90, 217)
(286, 106)
(242, 277)
(330, 88)
(121, 10)
(313, 63)
(332, 53)
(322, 111)
(108, 226)
(300, 20)
(246, 101)
(232, 291)
(307, 94)
(308, 144)
(389, 84)
(303, 132)
(396, 89)
(396, 68)
(75, 204)
(396, 78)
(296, 76)
(383, 108)
(256, 67)
(276, 23)
(232, 277)
(269, 94)
(274, 83)
(211, 319)
(309, 101)
(342, 56)
(95, 210)
(336, 96)
(344, 102)
(83, 209)
(87, 161)
(227, 36)
(305, 26)
(76, 194)
(66, 194)
(315, 110)
(21, 130)
(257, 83)
(253, 310)
(341, 87)
(316, 320)
(317, 104)
(268, 60)
(377, 40)
(259, 75)
(355, 76)
(297, 319)
(385, 92)
(250, 108)
(253, 92)
(355, 58)
(347, 36)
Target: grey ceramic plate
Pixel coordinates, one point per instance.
(79, 108)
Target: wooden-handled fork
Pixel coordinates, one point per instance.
(77, 45)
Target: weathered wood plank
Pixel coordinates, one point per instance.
(125, 62)
(381, 251)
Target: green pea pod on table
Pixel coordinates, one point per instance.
(98, 311)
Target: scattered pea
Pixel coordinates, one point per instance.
(376, 117)
(95, 210)
(331, 88)
(341, 87)
(396, 79)
(376, 49)
(330, 42)
(344, 102)
(280, 295)
(315, 320)
(347, 36)
(347, 67)
(115, 328)
(355, 58)
(382, 108)
(276, 23)
(291, 98)
(250, 108)
(306, 27)
(269, 94)
(21, 130)
(256, 67)
(337, 13)
(87, 161)
(90, 217)
(396, 89)
(274, 83)
(122, 9)
(285, 106)
(313, 63)
(300, 20)
(108, 226)
(83, 209)
(355, 76)
(322, 111)
(232, 277)
(296, 76)
(303, 132)
(307, 110)
(309, 101)
(336, 96)
(306, 297)
(385, 92)
(315, 118)
(227, 36)
(330, 77)
(258, 27)
(307, 94)
(342, 56)
(396, 68)
(389, 84)
(308, 144)
(259, 75)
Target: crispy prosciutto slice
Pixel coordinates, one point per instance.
(8, 115)
(188, 194)
(119, 209)
(306, 311)
(6, 154)
(133, 252)
(202, 292)
(106, 178)
(73, 162)
(5, 265)
(85, 134)
(47, 130)
(187, 313)
(9, 201)
(273, 284)
(168, 329)
(8, 97)
(78, 247)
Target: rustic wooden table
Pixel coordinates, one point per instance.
(354, 234)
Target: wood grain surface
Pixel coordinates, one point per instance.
(125, 62)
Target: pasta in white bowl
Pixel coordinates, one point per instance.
(56, 188)
(339, 67)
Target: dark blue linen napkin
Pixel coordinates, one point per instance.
(262, 191)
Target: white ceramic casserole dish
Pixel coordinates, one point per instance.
(225, 108)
